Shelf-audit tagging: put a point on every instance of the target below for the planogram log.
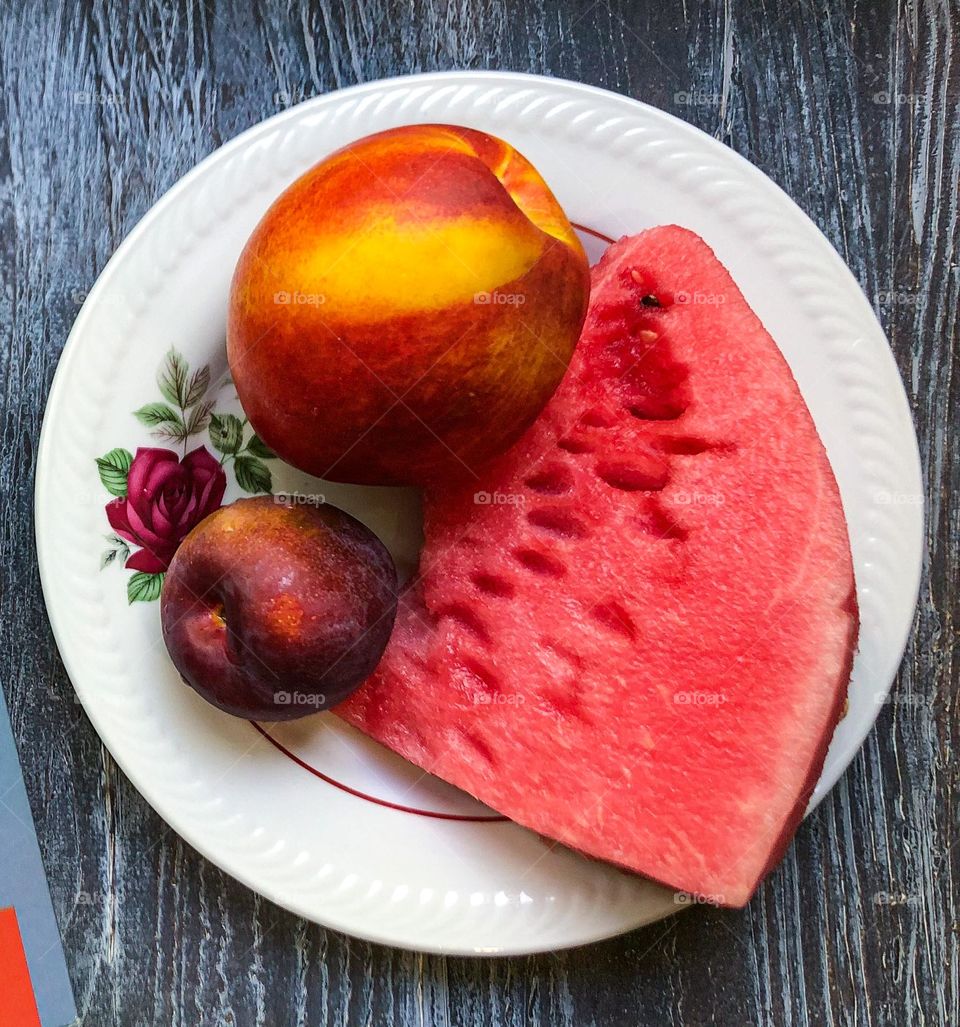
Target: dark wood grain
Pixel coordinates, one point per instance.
(855, 110)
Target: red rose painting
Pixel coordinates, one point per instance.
(160, 493)
(165, 498)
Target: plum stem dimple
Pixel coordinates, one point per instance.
(217, 615)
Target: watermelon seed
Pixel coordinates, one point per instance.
(575, 445)
(552, 481)
(615, 618)
(470, 743)
(685, 445)
(493, 584)
(478, 677)
(631, 478)
(645, 281)
(560, 708)
(597, 418)
(573, 660)
(540, 563)
(656, 522)
(559, 522)
(650, 408)
(467, 619)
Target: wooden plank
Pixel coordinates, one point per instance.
(853, 109)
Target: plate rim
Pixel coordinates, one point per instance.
(169, 811)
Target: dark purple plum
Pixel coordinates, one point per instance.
(272, 609)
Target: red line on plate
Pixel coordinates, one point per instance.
(592, 231)
(482, 818)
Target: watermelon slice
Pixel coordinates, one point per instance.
(635, 633)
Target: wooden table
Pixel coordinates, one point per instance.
(853, 109)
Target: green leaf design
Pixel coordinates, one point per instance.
(170, 433)
(199, 383)
(114, 467)
(118, 546)
(181, 388)
(199, 419)
(226, 433)
(172, 377)
(107, 557)
(252, 474)
(257, 447)
(155, 414)
(144, 588)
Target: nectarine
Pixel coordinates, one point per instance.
(406, 308)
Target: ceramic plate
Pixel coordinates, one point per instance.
(311, 814)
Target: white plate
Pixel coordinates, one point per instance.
(458, 882)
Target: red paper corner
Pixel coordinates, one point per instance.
(17, 1004)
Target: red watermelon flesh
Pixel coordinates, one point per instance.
(634, 632)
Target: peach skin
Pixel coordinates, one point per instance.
(406, 308)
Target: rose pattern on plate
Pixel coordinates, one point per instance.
(160, 494)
